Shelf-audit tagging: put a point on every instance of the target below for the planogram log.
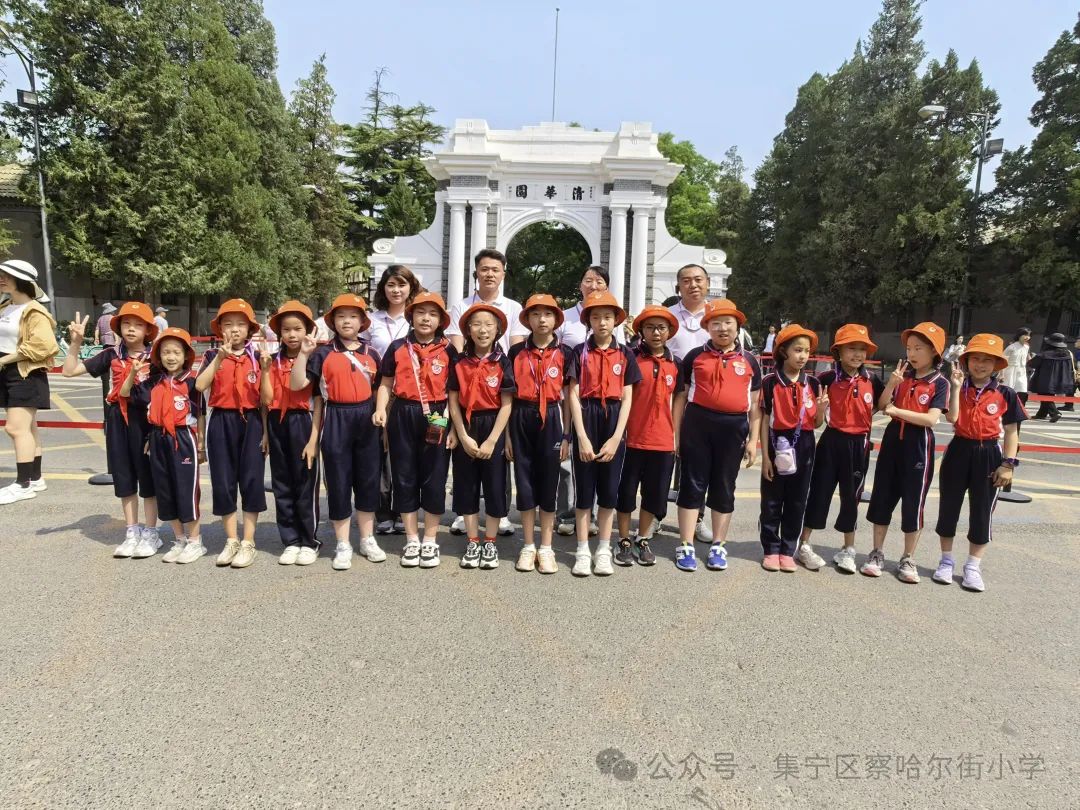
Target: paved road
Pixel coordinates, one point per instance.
(137, 684)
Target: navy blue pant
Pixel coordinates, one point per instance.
(125, 444)
(904, 471)
(174, 463)
(536, 454)
(351, 459)
(711, 447)
(296, 487)
(596, 482)
(649, 470)
(967, 467)
(234, 450)
(473, 474)
(783, 500)
(418, 470)
(842, 460)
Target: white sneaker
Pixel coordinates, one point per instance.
(845, 560)
(944, 573)
(175, 550)
(582, 564)
(808, 557)
(307, 556)
(875, 561)
(506, 528)
(602, 561)
(703, 533)
(973, 580)
(149, 543)
(369, 547)
(342, 557)
(565, 528)
(131, 541)
(289, 555)
(228, 554)
(458, 526)
(593, 529)
(38, 485)
(429, 554)
(14, 492)
(193, 549)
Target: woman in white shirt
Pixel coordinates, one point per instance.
(572, 332)
(1016, 373)
(396, 288)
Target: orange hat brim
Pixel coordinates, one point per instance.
(500, 317)
(656, 312)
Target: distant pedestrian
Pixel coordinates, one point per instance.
(159, 319)
(103, 333)
(770, 341)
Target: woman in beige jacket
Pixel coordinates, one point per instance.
(27, 350)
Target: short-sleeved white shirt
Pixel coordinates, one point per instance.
(691, 333)
(384, 330)
(573, 332)
(509, 307)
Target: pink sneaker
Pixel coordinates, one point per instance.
(771, 562)
(787, 564)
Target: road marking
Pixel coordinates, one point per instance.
(72, 413)
(52, 448)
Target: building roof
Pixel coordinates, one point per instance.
(11, 175)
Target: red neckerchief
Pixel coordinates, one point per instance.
(425, 354)
(281, 370)
(162, 411)
(911, 375)
(483, 367)
(660, 392)
(723, 356)
(125, 366)
(240, 373)
(540, 373)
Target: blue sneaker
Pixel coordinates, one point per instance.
(685, 560)
(717, 560)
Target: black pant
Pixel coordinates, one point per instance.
(471, 475)
(234, 449)
(783, 500)
(842, 460)
(295, 486)
(1046, 408)
(174, 461)
(536, 454)
(905, 469)
(597, 482)
(967, 467)
(350, 449)
(418, 469)
(711, 446)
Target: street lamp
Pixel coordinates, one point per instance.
(931, 113)
(29, 101)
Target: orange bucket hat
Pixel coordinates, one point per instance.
(429, 298)
(655, 311)
(930, 331)
(721, 307)
(175, 333)
(601, 298)
(794, 330)
(854, 333)
(542, 300)
(300, 310)
(987, 344)
(234, 306)
(480, 306)
(347, 300)
(135, 309)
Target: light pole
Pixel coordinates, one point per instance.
(987, 149)
(29, 100)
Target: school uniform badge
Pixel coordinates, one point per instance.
(868, 398)
(992, 408)
(740, 368)
(179, 402)
(617, 368)
(924, 399)
(553, 372)
(437, 367)
(252, 377)
(669, 380)
(492, 381)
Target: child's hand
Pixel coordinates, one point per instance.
(469, 445)
(451, 440)
(750, 454)
(202, 456)
(379, 418)
(767, 470)
(889, 410)
(823, 400)
(310, 453)
(564, 450)
(486, 450)
(1002, 476)
(137, 365)
(898, 372)
(308, 343)
(608, 450)
(957, 377)
(264, 361)
(585, 451)
(264, 445)
(508, 451)
(146, 448)
(77, 328)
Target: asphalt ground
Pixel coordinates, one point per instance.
(129, 683)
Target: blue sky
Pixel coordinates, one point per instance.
(716, 73)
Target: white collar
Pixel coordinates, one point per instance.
(683, 308)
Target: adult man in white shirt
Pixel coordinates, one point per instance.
(489, 272)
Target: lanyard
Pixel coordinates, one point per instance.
(416, 376)
(394, 332)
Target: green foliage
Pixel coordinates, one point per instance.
(1037, 200)
(859, 208)
(546, 257)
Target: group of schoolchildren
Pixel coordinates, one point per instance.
(622, 414)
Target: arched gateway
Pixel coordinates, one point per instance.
(609, 186)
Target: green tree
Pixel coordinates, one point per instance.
(548, 257)
(1037, 199)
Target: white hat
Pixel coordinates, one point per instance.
(161, 309)
(17, 268)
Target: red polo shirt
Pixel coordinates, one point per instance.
(540, 374)
(481, 381)
(236, 383)
(432, 366)
(922, 394)
(985, 411)
(721, 381)
(851, 399)
(784, 400)
(116, 362)
(650, 425)
(344, 376)
(603, 373)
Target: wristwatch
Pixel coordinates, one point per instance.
(566, 437)
(1011, 462)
